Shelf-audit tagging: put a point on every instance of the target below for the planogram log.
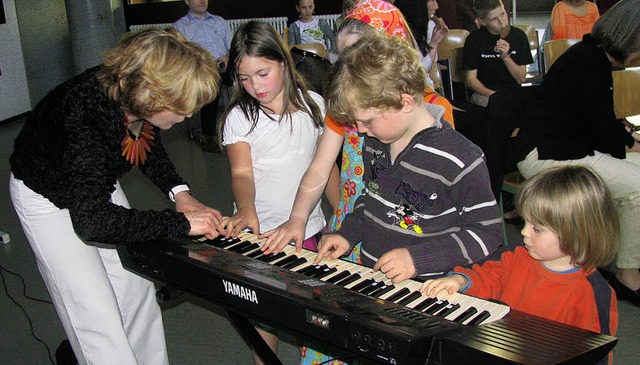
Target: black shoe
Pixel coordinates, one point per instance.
(210, 144)
(65, 355)
(624, 293)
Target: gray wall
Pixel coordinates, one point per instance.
(44, 34)
(14, 94)
(45, 44)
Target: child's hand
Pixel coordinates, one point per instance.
(451, 284)
(502, 47)
(242, 219)
(331, 246)
(291, 230)
(397, 265)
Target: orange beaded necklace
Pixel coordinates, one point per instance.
(137, 141)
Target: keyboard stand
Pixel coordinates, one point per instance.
(253, 339)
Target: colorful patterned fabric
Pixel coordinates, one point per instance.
(381, 15)
(351, 182)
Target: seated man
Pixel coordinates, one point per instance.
(494, 56)
(212, 33)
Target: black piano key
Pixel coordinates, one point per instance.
(216, 242)
(254, 254)
(436, 307)
(479, 318)
(229, 242)
(348, 280)
(339, 276)
(382, 290)
(309, 270)
(410, 298)
(371, 288)
(272, 257)
(425, 303)
(448, 310)
(397, 295)
(326, 271)
(363, 284)
(239, 246)
(286, 260)
(250, 248)
(295, 263)
(465, 315)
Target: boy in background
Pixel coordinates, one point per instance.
(495, 56)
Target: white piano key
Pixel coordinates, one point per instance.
(496, 310)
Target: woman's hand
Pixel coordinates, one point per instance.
(205, 222)
(203, 219)
(291, 230)
(187, 203)
(244, 218)
(438, 35)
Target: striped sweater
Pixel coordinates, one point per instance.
(435, 200)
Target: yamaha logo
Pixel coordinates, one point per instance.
(240, 291)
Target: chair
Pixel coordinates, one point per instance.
(512, 183)
(554, 49)
(626, 88)
(534, 43)
(316, 48)
(436, 77)
(450, 57)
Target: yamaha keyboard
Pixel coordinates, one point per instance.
(356, 311)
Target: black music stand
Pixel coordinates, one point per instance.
(253, 339)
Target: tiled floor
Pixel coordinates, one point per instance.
(197, 332)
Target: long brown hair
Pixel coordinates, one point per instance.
(259, 39)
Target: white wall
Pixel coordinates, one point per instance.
(14, 93)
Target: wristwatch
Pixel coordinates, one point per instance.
(178, 189)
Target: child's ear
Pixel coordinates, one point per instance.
(408, 102)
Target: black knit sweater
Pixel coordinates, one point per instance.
(69, 151)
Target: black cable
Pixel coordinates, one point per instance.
(24, 286)
(6, 290)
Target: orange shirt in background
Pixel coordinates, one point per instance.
(565, 24)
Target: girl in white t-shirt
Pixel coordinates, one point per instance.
(269, 130)
(308, 29)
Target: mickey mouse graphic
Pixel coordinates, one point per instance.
(405, 217)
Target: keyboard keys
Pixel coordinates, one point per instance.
(459, 308)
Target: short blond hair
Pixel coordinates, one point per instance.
(153, 70)
(373, 73)
(575, 203)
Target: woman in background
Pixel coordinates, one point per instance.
(576, 125)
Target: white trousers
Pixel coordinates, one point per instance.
(110, 315)
(623, 180)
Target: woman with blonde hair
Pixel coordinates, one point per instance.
(79, 140)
